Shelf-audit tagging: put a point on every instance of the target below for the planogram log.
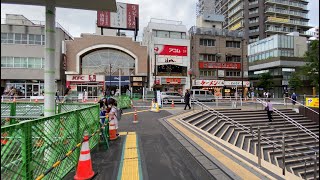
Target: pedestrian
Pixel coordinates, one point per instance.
(187, 99)
(252, 95)
(294, 98)
(113, 114)
(57, 96)
(66, 94)
(85, 93)
(12, 93)
(269, 109)
(103, 103)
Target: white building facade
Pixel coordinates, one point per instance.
(169, 55)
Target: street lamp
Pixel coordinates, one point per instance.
(155, 74)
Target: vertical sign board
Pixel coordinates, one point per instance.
(124, 18)
(312, 102)
(159, 98)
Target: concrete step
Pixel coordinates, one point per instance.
(197, 117)
(210, 121)
(200, 119)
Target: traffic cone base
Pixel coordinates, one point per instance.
(112, 132)
(135, 117)
(84, 169)
(172, 104)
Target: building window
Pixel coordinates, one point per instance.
(36, 39)
(233, 73)
(206, 73)
(6, 38)
(207, 42)
(22, 62)
(233, 44)
(233, 58)
(207, 57)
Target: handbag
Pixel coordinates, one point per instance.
(266, 108)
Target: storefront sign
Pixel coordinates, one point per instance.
(85, 78)
(137, 84)
(237, 83)
(312, 102)
(173, 80)
(171, 50)
(215, 65)
(209, 83)
(137, 79)
(169, 59)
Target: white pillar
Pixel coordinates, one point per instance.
(119, 81)
(49, 61)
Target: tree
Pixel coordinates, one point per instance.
(265, 81)
(295, 81)
(311, 69)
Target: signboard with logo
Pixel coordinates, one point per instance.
(137, 78)
(169, 59)
(171, 50)
(124, 18)
(209, 83)
(173, 81)
(85, 78)
(237, 83)
(312, 102)
(215, 65)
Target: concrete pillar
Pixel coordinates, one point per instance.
(49, 61)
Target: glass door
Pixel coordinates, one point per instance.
(35, 90)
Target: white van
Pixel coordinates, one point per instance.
(202, 95)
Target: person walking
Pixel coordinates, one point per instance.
(187, 99)
(66, 94)
(294, 98)
(57, 96)
(269, 109)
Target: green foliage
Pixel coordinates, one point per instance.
(265, 81)
(295, 81)
(311, 69)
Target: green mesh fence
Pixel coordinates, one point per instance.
(30, 148)
(123, 101)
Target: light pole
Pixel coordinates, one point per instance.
(242, 59)
(155, 75)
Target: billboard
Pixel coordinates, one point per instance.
(215, 65)
(169, 59)
(171, 50)
(124, 18)
(209, 83)
(312, 102)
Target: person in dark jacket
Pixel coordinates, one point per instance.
(187, 99)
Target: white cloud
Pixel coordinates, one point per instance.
(82, 21)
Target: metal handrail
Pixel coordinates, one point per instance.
(298, 125)
(303, 105)
(253, 133)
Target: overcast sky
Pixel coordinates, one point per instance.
(82, 21)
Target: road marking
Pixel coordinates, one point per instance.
(229, 163)
(130, 165)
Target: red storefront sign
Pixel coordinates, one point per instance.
(171, 50)
(215, 65)
(209, 82)
(173, 80)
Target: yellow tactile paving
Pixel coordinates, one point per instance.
(130, 169)
(233, 166)
(123, 133)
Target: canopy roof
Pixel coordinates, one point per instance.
(103, 5)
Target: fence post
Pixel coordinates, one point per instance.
(283, 155)
(259, 147)
(26, 150)
(315, 165)
(13, 109)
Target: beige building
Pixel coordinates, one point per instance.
(219, 61)
(96, 63)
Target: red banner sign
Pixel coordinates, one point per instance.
(173, 80)
(171, 50)
(215, 65)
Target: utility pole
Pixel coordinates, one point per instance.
(155, 75)
(242, 59)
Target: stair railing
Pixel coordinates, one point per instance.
(298, 125)
(303, 105)
(261, 138)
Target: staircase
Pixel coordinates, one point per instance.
(299, 146)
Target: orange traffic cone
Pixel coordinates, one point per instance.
(172, 104)
(84, 169)
(36, 100)
(14, 99)
(95, 100)
(4, 139)
(135, 117)
(112, 132)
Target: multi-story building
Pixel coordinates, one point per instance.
(205, 6)
(22, 55)
(280, 55)
(169, 55)
(316, 34)
(262, 18)
(219, 61)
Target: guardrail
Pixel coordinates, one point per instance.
(31, 147)
(275, 143)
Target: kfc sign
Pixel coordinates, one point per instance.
(209, 82)
(171, 50)
(85, 78)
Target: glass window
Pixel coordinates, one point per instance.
(17, 62)
(202, 92)
(17, 38)
(163, 34)
(175, 35)
(4, 37)
(3, 61)
(31, 39)
(38, 39)
(183, 35)
(10, 38)
(43, 40)
(9, 61)
(24, 39)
